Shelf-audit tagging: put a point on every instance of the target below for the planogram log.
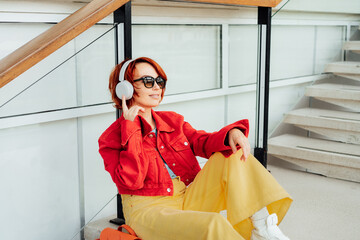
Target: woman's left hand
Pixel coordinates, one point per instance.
(236, 137)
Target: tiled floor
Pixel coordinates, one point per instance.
(323, 208)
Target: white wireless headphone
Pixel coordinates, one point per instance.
(124, 87)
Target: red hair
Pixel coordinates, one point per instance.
(129, 75)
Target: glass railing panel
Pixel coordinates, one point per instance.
(292, 56)
(329, 43)
(54, 91)
(243, 62)
(306, 36)
(354, 33)
(243, 57)
(189, 54)
(17, 34)
(292, 51)
(75, 75)
(305, 41)
(94, 64)
(354, 36)
(243, 106)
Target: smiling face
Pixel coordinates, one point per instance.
(146, 97)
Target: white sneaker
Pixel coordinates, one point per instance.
(267, 229)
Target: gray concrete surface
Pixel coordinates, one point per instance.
(323, 208)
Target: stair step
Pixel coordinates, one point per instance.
(336, 125)
(343, 95)
(333, 159)
(352, 46)
(345, 69)
(93, 229)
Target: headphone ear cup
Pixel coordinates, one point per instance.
(124, 88)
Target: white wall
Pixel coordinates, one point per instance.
(51, 172)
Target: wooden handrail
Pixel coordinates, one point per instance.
(54, 38)
(259, 3)
(57, 36)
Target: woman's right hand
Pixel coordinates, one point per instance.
(130, 114)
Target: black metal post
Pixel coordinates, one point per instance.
(122, 15)
(263, 82)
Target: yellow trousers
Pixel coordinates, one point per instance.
(192, 213)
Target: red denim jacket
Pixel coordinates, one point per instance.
(132, 153)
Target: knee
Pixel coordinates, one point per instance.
(216, 221)
(236, 157)
(218, 227)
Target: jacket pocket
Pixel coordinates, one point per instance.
(180, 144)
(183, 153)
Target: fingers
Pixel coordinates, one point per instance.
(135, 110)
(124, 106)
(246, 152)
(232, 145)
(243, 142)
(131, 113)
(245, 146)
(243, 158)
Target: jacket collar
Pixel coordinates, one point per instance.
(161, 125)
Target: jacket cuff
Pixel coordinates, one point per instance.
(218, 139)
(242, 125)
(128, 128)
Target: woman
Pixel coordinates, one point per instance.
(150, 156)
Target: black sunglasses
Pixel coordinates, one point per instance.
(150, 81)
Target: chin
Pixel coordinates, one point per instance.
(154, 102)
(155, 105)
(151, 104)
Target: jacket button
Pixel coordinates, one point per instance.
(174, 164)
(168, 190)
(162, 147)
(150, 136)
(185, 143)
(187, 180)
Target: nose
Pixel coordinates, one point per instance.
(156, 86)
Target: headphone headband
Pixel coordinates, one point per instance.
(123, 69)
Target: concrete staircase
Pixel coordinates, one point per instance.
(347, 96)
(329, 158)
(331, 145)
(345, 69)
(92, 230)
(352, 46)
(336, 125)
